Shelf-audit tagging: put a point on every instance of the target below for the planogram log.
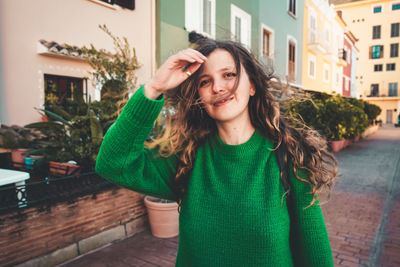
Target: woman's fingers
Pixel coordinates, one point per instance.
(193, 68)
(175, 70)
(191, 56)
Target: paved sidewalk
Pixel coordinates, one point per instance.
(362, 217)
(142, 250)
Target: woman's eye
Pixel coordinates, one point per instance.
(230, 74)
(202, 83)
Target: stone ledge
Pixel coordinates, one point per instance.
(89, 244)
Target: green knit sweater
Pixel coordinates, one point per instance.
(233, 213)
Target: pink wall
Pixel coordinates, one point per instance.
(23, 23)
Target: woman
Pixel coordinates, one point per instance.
(216, 158)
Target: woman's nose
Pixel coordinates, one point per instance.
(219, 87)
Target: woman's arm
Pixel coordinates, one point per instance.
(309, 237)
(124, 160)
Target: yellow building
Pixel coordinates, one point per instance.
(323, 31)
(376, 23)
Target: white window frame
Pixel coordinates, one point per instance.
(272, 41)
(312, 58)
(311, 13)
(108, 5)
(327, 67)
(294, 15)
(372, 10)
(245, 29)
(290, 38)
(194, 17)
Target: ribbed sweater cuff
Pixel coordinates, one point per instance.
(141, 110)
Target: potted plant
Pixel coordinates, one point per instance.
(72, 141)
(163, 216)
(18, 139)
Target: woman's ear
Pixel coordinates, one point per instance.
(252, 90)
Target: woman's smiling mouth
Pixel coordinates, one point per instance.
(223, 102)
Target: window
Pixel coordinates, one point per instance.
(312, 25)
(311, 66)
(390, 66)
(130, 4)
(326, 73)
(292, 61)
(241, 25)
(61, 90)
(378, 67)
(394, 50)
(292, 7)
(396, 6)
(376, 32)
(200, 16)
(377, 9)
(267, 40)
(207, 14)
(394, 32)
(376, 51)
(392, 89)
(374, 89)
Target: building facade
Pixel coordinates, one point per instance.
(271, 31)
(32, 54)
(350, 50)
(376, 24)
(323, 43)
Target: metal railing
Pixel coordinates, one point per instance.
(46, 193)
(342, 54)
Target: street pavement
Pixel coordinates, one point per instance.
(362, 215)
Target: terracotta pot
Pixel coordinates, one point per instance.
(337, 145)
(63, 169)
(17, 157)
(163, 217)
(44, 118)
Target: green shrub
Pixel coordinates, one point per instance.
(372, 111)
(335, 117)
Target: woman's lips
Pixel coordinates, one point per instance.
(223, 102)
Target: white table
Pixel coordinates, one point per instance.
(18, 178)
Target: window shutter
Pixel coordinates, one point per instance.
(129, 4)
(370, 52)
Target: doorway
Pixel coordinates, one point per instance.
(389, 116)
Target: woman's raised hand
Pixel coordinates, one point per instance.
(173, 72)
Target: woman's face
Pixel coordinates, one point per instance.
(218, 78)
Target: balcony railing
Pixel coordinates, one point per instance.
(317, 41)
(342, 54)
(44, 194)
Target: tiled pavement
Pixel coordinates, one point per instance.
(362, 216)
(142, 250)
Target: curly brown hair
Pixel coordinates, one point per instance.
(190, 126)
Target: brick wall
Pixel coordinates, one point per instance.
(33, 233)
